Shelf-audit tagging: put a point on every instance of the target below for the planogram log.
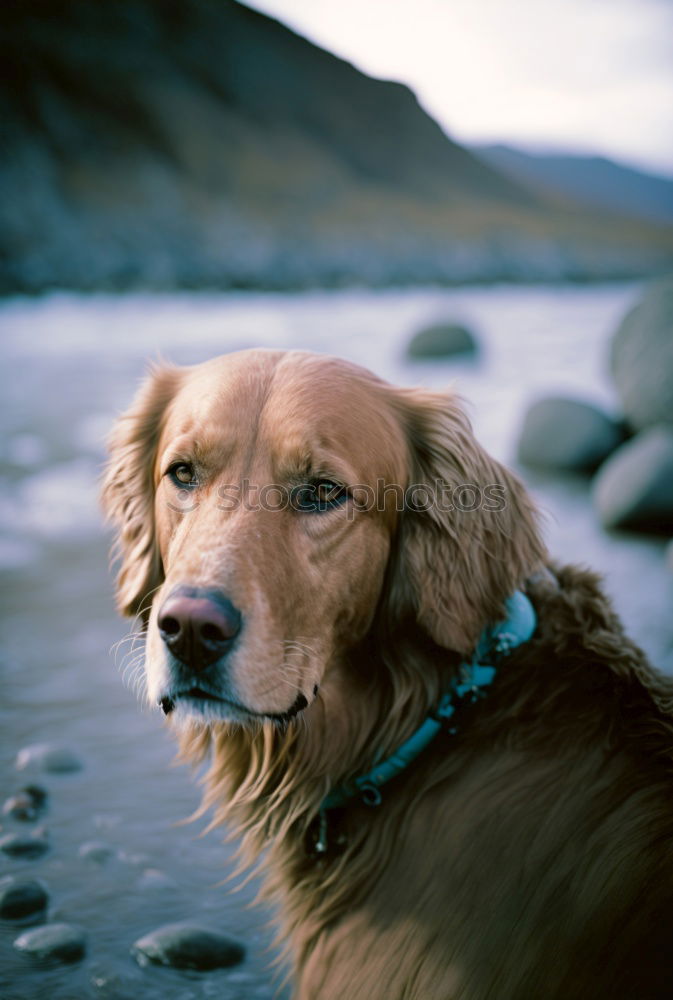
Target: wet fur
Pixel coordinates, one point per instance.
(531, 854)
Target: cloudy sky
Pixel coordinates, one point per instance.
(585, 75)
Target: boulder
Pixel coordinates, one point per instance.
(188, 946)
(442, 340)
(642, 358)
(634, 487)
(567, 434)
(53, 942)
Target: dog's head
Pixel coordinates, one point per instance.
(271, 505)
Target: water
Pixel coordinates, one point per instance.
(70, 363)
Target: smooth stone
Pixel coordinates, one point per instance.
(442, 340)
(19, 845)
(27, 804)
(48, 757)
(96, 850)
(53, 942)
(188, 946)
(21, 898)
(642, 358)
(568, 435)
(634, 487)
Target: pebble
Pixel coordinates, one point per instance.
(188, 946)
(27, 804)
(96, 850)
(53, 942)
(152, 878)
(19, 845)
(48, 757)
(21, 898)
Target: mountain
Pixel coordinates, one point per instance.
(598, 181)
(198, 143)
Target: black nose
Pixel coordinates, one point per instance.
(198, 625)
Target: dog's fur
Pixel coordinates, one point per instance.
(530, 855)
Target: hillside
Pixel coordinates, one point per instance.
(595, 180)
(197, 143)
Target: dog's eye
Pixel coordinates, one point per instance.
(319, 496)
(183, 474)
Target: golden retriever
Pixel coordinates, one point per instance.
(316, 554)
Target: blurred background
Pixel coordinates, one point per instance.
(459, 193)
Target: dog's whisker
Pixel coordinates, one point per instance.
(147, 602)
(275, 686)
(120, 642)
(133, 671)
(129, 660)
(301, 646)
(132, 638)
(134, 677)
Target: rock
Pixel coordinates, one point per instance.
(27, 804)
(642, 358)
(21, 898)
(19, 845)
(48, 757)
(442, 340)
(188, 946)
(53, 942)
(96, 850)
(634, 487)
(567, 434)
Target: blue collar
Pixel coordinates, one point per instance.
(475, 676)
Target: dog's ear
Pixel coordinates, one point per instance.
(468, 536)
(127, 492)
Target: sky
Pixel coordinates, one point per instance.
(592, 76)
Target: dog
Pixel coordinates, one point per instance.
(445, 804)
